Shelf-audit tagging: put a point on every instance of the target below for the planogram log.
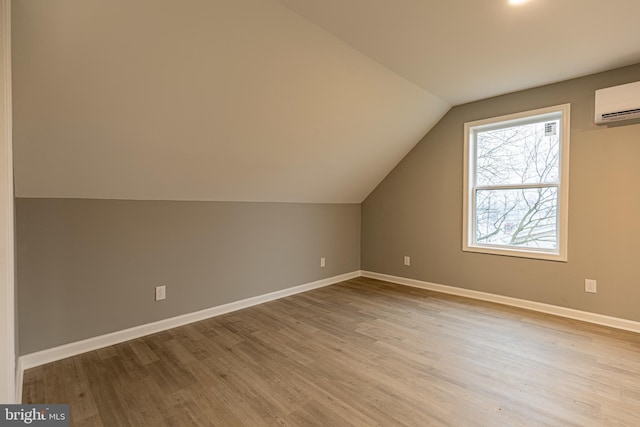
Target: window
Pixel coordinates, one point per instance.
(516, 184)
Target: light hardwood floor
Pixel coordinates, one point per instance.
(363, 352)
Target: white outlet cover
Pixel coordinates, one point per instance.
(590, 286)
(323, 262)
(407, 260)
(161, 292)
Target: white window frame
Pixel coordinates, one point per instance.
(468, 229)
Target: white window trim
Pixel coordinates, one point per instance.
(563, 188)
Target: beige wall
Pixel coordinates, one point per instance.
(417, 209)
(89, 267)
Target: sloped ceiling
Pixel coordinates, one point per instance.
(202, 100)
(260, 100)
(465, 50)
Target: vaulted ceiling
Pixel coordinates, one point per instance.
(273, 100)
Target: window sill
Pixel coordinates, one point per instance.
(519, 253)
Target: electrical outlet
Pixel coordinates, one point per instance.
(590, 286)
(407, 260)
(323, 262)
(161, 292)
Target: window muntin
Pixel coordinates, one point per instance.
(516, 177)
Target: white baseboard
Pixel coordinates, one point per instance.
(585, 316)
(72, 349)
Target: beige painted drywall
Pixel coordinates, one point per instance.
(223, 100)
(89, 267)
(7, 298)
(417, 209)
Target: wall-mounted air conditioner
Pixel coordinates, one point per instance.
(618, 103)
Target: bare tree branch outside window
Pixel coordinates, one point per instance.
(517, 176)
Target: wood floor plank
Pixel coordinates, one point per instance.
(363, 353)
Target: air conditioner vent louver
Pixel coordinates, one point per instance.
(618, 103)
(621, 113)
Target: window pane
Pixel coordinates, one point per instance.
(523, 218)
(520, 154)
